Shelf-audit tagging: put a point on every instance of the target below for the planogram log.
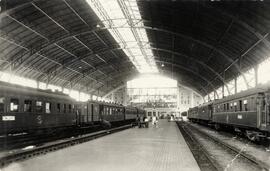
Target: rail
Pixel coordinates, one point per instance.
(259, 164)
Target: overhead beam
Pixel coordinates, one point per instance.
(29, 50)
(68, 32)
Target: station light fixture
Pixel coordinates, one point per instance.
(123, 20)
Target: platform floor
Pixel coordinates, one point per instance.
(152, 149)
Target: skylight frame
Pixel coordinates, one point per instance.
(123, 20)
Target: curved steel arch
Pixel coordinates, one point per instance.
(176, 53)
(200, 42)
(152, 28)
(241, 22)
(233, 63)
(247, 26)
(158, 49)
(172, 52)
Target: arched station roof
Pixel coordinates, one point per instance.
(201, 43)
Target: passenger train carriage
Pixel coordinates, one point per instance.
(32, 110)
(247, 111)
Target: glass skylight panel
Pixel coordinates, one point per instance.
(123, 20)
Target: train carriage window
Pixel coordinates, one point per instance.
(14, 105)
(110, 111)
(224, 107)
(48, 107)
(38, 106)
(235, 106)
(245, 105)
(58, 107)
(228, 108)
(231, 106)
(69, 108)
(65, 108)
(27, 106)
(2, 104)
(240, 105)
(73, 108)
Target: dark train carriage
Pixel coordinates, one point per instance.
(193, 114)
(94, 108)
(205, 112)
(131, 113)
(141, 112)
(112, 112)
(243, 110)
(84, 114)
(26, 109)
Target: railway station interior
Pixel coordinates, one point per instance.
(123, 85)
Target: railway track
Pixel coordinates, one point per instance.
(218, 155)
(25, 154)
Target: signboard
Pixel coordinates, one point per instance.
(8, 118)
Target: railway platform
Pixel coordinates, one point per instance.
(161, 148)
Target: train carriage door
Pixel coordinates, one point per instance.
(92, 112)
(124, 113)
(267, 109)
(260, 103)
(89, 112)
(78, 114)
(267, 101)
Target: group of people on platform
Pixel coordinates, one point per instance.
(144, 121)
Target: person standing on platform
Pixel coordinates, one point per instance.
(138, 120)
(154, 121)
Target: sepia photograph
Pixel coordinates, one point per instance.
(134, 85)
